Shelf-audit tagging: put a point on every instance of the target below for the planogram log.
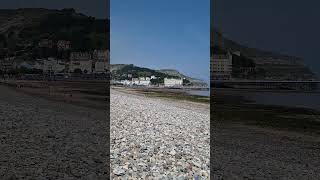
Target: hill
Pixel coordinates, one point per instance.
(21, 30)
(269, 65)
(121, 71)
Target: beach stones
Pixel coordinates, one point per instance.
(162, 139)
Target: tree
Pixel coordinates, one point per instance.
(186, 82)
(157, 81)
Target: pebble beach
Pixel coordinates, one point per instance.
(158, 139)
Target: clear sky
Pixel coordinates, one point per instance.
(162, 34)
(286, 26)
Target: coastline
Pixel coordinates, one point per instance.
(169, 94)
(81, 93)
(226, 108)
(232, 137)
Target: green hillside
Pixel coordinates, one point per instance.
(121, 71)
(267, 64)
(22, 29)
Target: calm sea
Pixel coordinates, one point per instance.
(309, 100)
(291, 99)
(303, 100)
(199, 93)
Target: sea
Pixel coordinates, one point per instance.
(205, 93)
(310, 100)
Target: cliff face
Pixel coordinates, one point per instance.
(270, 65)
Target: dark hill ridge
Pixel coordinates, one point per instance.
(23, 29)
(273, 65)
(120, 71)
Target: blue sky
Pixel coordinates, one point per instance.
(162, 34)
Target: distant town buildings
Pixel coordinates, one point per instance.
(171, 82)
(100, 55)
(46, 43)
(7, 64)
(52, 65)
(63, 45)
(79, 62)
(141, 81)
(49, 61)
(101, 60)
(221, 66)
(80, 56)
(85, 66)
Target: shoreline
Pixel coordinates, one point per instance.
(169, 94)
(264, 90)
(86, 94)
(232, 110)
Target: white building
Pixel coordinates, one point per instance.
(144, 82)
(100, 55)
(221, 66)
(84, 65)
(100, 67)
(7, 64)
(173, 82)
(63, 45)
(126, 82)
(80, 56)
(53, 65)
(141, 81)
(82, 61)
(135, 81)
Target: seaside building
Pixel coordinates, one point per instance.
(173, 82)
(53, 65)
(141, 81)
(82, 61)
(126, 82)
(45, 43)
(144, 81)
(100, 67)
(221, 66)
(101, 56)
(7, 64)
(135, 81)
(80, 56)
(63, 45)
(84, 65)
